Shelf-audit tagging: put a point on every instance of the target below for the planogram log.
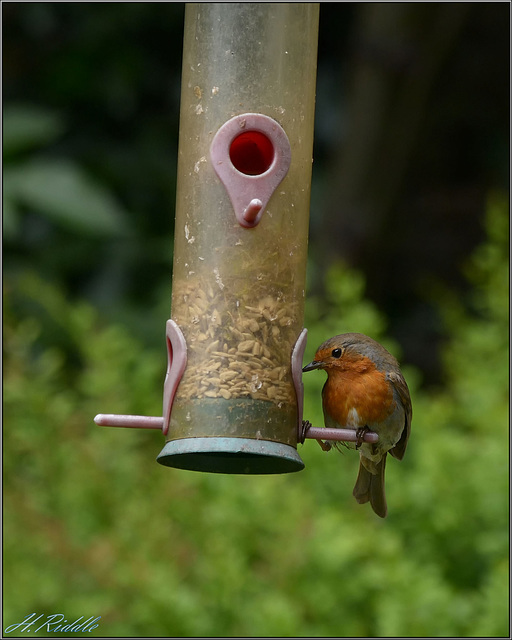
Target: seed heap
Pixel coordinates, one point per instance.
(238, 346)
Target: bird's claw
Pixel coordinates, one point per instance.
(325, 446)
(306, 426)
(360, 434)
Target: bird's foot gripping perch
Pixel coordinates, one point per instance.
(324, 435)
(360, 433)
(306, 426)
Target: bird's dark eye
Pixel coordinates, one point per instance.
(336, 353)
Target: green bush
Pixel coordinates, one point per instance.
(93, 527)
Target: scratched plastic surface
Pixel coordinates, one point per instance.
(238, 293)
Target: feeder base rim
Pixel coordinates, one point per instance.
(230, 455)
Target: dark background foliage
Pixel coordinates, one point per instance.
(411, 134)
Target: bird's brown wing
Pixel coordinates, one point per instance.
(402, 389)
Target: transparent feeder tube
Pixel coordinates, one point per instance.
(238, 293)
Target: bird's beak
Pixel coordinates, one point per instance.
(316, 364)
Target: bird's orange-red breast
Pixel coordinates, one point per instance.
(365, 389)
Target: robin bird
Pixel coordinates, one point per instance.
(365, 391)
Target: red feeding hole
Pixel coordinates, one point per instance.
(251, 153)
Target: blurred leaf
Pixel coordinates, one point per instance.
(10, 214)
(280, 549)
(28, 126)
(65, 194)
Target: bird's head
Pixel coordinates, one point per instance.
(344, 351)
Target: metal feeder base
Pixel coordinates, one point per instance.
(230, 455)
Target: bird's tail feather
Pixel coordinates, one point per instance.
(370, 487)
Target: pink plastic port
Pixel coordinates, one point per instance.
(251, 155)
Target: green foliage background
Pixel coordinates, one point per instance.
(93, 527)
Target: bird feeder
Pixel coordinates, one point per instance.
(235, 339)
(242, 215)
